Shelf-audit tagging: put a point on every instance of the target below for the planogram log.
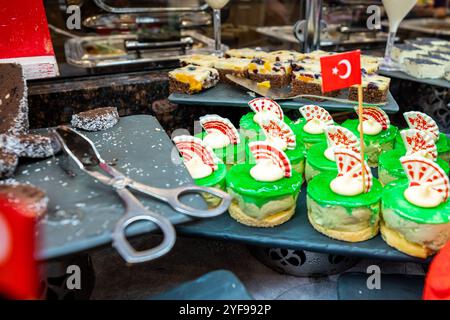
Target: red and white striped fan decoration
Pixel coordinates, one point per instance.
(349, 164)
(341, 137)
(263, 150)
(266, 104)
(214, 123)
(416, 141)
(311, 112)
(188, 146)
(422, 122)
(276, 128)
(376, 114)
(421, 171)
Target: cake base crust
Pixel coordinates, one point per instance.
(369, 95)
(271, 221)
(348, 236)
(224, 72)
(301, 87)
(398, 241)
(276, 81)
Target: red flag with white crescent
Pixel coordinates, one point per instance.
(19, 278)
(340, 70)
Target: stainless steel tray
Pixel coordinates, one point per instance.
(115, 54)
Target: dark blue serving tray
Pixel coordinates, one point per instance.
(294, 234)
(225, 95)
(82, 212)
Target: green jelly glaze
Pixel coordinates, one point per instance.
(309, 138)
(319, 190)
(217, 178)
(247, 123)
(258, 192)
(442, 144)
(223, 153)
(383, 137)
(394, 199)
(390, 161)
(317, 160)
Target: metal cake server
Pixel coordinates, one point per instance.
(285, 94)
(81, 152)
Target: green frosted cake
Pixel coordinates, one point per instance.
(379, 134)
(320, 157)
(250, 123)
(203, 165)
(423, 122)
(343, 206)
(312, 130)
(416, 213)
(220, 134)
(265, 194)
(415, 142)
(281, 135)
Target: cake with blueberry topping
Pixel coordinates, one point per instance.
(285, 56)
(307, 79)
(406, 50)
(203, 60)
(375, 89)
(277, 73)
(192, 79)
(234, 66)
(424, 68)
(245, 53)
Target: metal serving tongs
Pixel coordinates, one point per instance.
(79, 150)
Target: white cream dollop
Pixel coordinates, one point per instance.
(217, 140)
(423, 196)
(259, 116)
(266, 171)
(277, 142)
(314, 126)
(347, 186)
(197, 168)
(370, 127)
(329, 153)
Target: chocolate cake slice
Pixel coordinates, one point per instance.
(31, 197)
(13, 100)
(30, 145)
(96, 119)
(8, 163)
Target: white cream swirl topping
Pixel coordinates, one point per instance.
(277, 142)
(423, 196)
(370, 127)
(314, 126)
(197, 168)
(266, 171)
(347, 186)
(217, 140)
(265, 114)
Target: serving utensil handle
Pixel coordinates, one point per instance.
(136, 212)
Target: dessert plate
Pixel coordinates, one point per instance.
(294, 234)
(225, 95)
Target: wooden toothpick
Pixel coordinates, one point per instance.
(361, 133)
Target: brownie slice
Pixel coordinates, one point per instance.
(13, 100)
(8, 163)
(34, 200)
(96, 119)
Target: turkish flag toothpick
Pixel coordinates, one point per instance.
(19, 277)
(340, 70)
